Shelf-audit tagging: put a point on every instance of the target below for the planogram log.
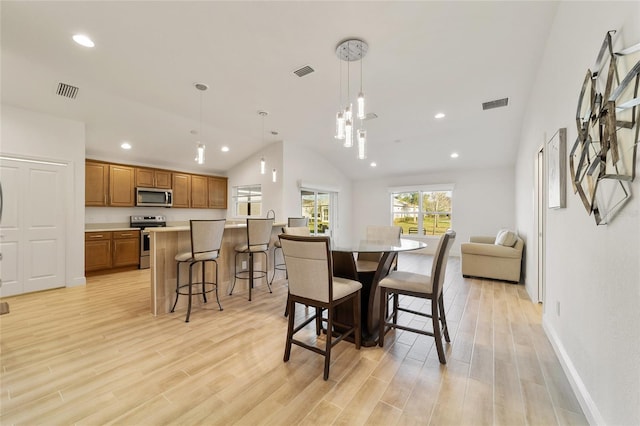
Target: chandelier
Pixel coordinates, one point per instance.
(349, 51)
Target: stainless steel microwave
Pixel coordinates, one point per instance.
(154, 197)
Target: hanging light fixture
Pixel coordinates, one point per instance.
(274, 175)
(199, 145)
(263, 163)
(351, 50)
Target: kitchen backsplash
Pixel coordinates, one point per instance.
(175, 217)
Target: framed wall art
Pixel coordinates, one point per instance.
(557, 169)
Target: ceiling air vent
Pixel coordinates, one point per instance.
(498, 103)
(301, 72)
(67, 90)
(370, 116)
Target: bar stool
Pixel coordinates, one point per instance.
(258, 238)
(292, 222)
(206, 239)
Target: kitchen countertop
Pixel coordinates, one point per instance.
(240, 225)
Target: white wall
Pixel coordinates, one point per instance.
(248, 173)
(37, 136)
(303, 164)
(592, 272)
(483, 201)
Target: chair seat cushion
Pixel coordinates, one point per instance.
(366, 266)
(409, 281)
(245, 248)
(343, 287)
(186, 256)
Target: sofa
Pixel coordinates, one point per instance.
(492, 257)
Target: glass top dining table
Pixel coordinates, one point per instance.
(373, 246)
(344, 266)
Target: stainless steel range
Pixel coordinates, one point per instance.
(142, 223)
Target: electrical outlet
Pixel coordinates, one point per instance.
(244, 265)
(558, 308)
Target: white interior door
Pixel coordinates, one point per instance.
(540, 215)
(32, 226)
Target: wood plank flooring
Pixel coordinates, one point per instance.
(94, 355)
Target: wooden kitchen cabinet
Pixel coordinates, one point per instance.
(181, 190)
(105, 251)
(121, 186)
(153, 178)
(199, 192)
(217, 187)
(126, 248)
(96, 187)
(97, 251)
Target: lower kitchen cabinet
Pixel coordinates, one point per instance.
(104, 251)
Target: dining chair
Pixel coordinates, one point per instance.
(368, 262)
(292, 222)
(421, 286)
(206, 239)
(311, 282)
(258, 238)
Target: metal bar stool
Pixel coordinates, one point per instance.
(206, 239)
(292, 222)
(258, 238)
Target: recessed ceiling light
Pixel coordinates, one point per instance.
(224, 149)
(83, 40)
(439, 115)
(373, 164)
(125, 145)
(454, 155)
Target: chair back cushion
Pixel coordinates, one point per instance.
(206, 237)
(439, 265)
(383, 233)
(259, 232)
(297, 221)
(302, 231)
(309, 268)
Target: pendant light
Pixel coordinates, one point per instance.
(200, 147)
(352, 50)
(263, 163)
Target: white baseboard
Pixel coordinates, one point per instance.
(77, 281)
(587, 404)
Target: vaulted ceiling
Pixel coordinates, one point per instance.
(136, 84)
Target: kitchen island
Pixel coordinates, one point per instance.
(169, 241)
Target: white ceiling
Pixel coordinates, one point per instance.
(137, 83)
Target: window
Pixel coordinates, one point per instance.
(422, 211)
(247, 200)
(318, 206)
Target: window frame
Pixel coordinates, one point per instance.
(421, 213)
(237, 199)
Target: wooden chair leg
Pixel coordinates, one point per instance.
(327, 353)
(318, 321)
(357, 320)
(443, 318)
(288, 343)
(384, 302)
(437, 335)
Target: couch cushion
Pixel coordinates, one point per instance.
(506, 238)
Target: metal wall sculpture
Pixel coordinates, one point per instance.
(603, 158)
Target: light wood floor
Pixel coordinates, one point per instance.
(94, 355)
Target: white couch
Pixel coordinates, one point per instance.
(481, 257)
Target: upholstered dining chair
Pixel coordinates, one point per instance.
(206, 239)
(368, 262)
(311, 282)
(258, 238)
(292, 222)
(421, 286)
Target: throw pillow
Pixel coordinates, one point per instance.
(506, 238)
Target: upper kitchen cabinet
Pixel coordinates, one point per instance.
(217, 187)
(181, 190)
(121, 186)
(153, 178)
(96, 186)
(199, 192)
